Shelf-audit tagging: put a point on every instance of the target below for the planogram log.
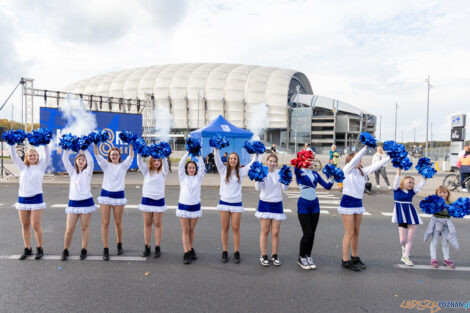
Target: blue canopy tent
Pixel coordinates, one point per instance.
(235, 135)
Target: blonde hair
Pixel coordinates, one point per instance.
(26, 161)
(75, 162)
(152, 167)
(444, 188)
(402, 182)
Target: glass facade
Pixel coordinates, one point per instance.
(300, 125)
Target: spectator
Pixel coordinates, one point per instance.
(334, 156)
(273, 148)
(464, 165)
(379, 156)
(307, 148)
(224, 158)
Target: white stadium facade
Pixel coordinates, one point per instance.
(197, 93)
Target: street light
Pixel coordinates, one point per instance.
(396, 116)
(428, 83)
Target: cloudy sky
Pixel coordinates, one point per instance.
(367, 53)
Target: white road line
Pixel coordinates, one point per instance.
(386, 213)
(76, 257)
(424, 215)
(329, 201)
(59, 206)
(328, 207)
(429, 267)
(324, 212)
(366, 213)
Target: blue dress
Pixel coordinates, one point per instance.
(404, 211)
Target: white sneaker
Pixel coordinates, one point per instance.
(263, 259)
(402, 251)
(378, 187)
(407, 261)
(464, 190)
(303, 263)
(310, 262)
(275, 259)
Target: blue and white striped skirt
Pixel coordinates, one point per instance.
(405, 212)
(270, 210)
(112, 197)
(230, 207)
(86, 206)
(189, 210)
(152, 206)
(35, 202)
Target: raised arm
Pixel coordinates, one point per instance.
(259, 185)
(47, 158)
(66, 161)
(89, 161)
(128, 161)
(201, 171)
(396, 182)
(419, 185)
(181, 165)
(102, 162)
(244, 170)
(355, 160)
(221, 168)
(141, 164)
(16, 159)
(326, 185)
(165, 166)
(376, 166)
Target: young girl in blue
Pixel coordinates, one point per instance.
(308, 212)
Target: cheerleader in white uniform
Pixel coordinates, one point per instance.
(189, 204)
(81, 204)
(270, 211)
(153, 199)
(351, 208)
(404, 213)
(30, 200)
(112, 194)
(230, 204)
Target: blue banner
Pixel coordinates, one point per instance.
(112, 122)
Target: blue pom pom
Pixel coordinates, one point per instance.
(66, 140)
(219, 142)
(397, 152)
(98, 136)
(368, 140)
(425, 168)
(193, 146)
(254, 146)
(139, 146)
(460, 208)
(164, 149)
(331, 170)
(127, 136)
(339, 175)
(285, 175)
(15, 136)
(432, 204)
(257, 171)
(40, 137)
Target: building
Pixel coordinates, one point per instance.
(197, 93)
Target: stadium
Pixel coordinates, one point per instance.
(198, 93)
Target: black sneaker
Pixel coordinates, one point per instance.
(236, 257)
(224, 257)
(27, 252)
(193, 254)
(357, 261)
(349, 264)
(106, 254)
(83, 254)
(119, 248)
(65, 254)
(39, 253)
(157, 252)
(146, 252)
(187, 258)
(263, 259)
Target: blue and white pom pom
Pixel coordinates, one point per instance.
(254, 146)
(193, 146)
(368, 140)
(285, 175)
(425, 168)
(432, 204)
(330, 170)
(218, 142)
(398, 154)
(257, 171)
(127, 136)
(460, 208)
(40, 137)
(139, 146)
(15, 136)
(66, 141)
(164, 149)
(404, 164)
(83, 142)
(98, 136)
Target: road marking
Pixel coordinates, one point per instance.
(424, 215)
(324, 212)
(76, 257)
(59, 206)
(386, 213)
(329, 201)
(429, 267)
(366, 213)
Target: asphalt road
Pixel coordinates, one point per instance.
(210, 286)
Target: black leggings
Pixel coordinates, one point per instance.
(309, 223)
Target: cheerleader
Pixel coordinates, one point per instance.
(230, 205)
(112, 194)
(81, 204)
(404, 213)
(308, 212)
(30, 200)
(351, 208)
(153, 199)
(440, 224)
(270, 211)
(189, 204)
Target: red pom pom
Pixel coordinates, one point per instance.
(303, 159)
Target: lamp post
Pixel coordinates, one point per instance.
(380, 128)
(428, 83)
(396, 116)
